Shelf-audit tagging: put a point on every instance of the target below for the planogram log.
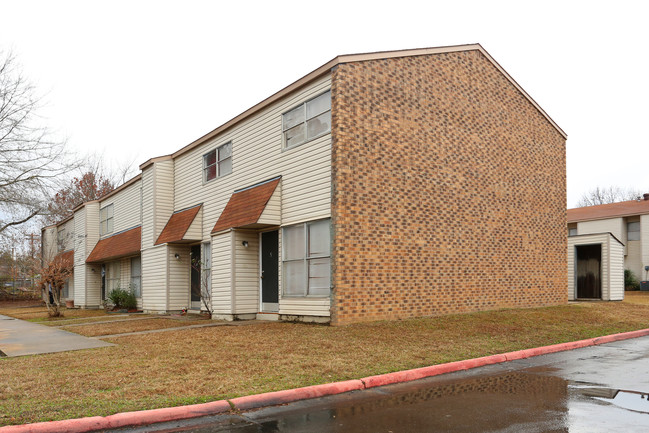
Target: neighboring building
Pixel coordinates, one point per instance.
(379, 186)
(628, 223)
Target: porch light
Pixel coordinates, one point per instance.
(245, 244)
(177, 256)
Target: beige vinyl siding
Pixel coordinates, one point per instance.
(272, 213)
(126, 208)
(246, 274)
(48, 244)
(195, 230)
(70, 288)
(154, 278)
(633, 258)
(163, 205)
(305, 307)
(147, 207)
(68, 237)
(644, 247)
(616, 226)
(125, 273)
(80, 259)
(616, 270)
(257, 155)
(179, 272)
(222, 273)
(93, 279)
(93, 285)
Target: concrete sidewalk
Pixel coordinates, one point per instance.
(19, 338)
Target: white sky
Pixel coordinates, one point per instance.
(136, 79)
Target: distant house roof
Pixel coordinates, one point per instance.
(119, 245)
(178, 225)
(611, 210)
(246, 205)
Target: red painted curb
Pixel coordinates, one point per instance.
(289, 395)
(82, 425)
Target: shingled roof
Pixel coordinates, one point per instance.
(611, 210)
(119, 245)
(246, 205)
(178, 225)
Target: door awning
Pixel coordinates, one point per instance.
(66, 257)
(123, 244)
(247, 205)
(180, 227)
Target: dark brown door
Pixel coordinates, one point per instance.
(589, 265)
(269, 269)
(196, 276)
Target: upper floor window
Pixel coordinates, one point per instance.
(60, 240)
(307, 121)
(572, 231)
(218, 162)
(106, 220)
(633, 231)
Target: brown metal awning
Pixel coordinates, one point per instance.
(67, 257)
(246, 205)
(178, 225)
(126, 243)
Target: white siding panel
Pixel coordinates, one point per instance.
(179, 273)
(80, 259)
(93, 285)
(222, 273)
(154, 278)
(195, 230)
(246, 273)
(126, 208)
(148, 177)
(644, 249)
(48, 247)
(164, 194)
(305, 306)
(613, 225)
(616, 271)
(272, 213)
(257, 155)
(633, 259)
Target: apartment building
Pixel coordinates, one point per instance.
(379, 186)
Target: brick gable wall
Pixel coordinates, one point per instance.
(448, 191)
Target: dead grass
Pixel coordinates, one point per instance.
(126, 326)
(39, 314)
(640, 298)
(205, 364)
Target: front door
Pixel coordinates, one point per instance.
(589, 282)
(269, 272)
(196, 277)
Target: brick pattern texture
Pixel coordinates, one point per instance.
(448, 191)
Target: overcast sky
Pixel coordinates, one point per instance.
(136, 79)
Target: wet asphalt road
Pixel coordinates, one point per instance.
(595, 389)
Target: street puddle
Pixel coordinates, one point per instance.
(631, 400)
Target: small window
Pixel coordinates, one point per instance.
(60, 240)
(106, 220)
(136, 276)
(633, 231)
(307, 121)
(572, 232)
(113, 276)
(307, 266)
(218, 162)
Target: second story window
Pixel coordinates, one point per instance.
(218, 162)
(60, 240)
(633, 231)
(106, 220)
(307, 121)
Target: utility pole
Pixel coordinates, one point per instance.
(32, 237)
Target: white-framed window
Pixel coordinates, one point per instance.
(306, 259)
(136, 276)
(60, 239)
(106, 220)
(307, 121)
(572, 231)
(218, 162)
(113, 276)
(206, 277)
(633, 231)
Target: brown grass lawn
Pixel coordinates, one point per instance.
(198, 365)
(122, 327)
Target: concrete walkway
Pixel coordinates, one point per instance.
(19, 338)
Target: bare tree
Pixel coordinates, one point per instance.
(610, 194)
(206, 293)
(30, 158)
(53, 278)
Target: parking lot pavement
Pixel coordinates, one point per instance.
(19, 337)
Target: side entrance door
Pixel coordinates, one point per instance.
(269, 272)
(195, 277)
(589, 264)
